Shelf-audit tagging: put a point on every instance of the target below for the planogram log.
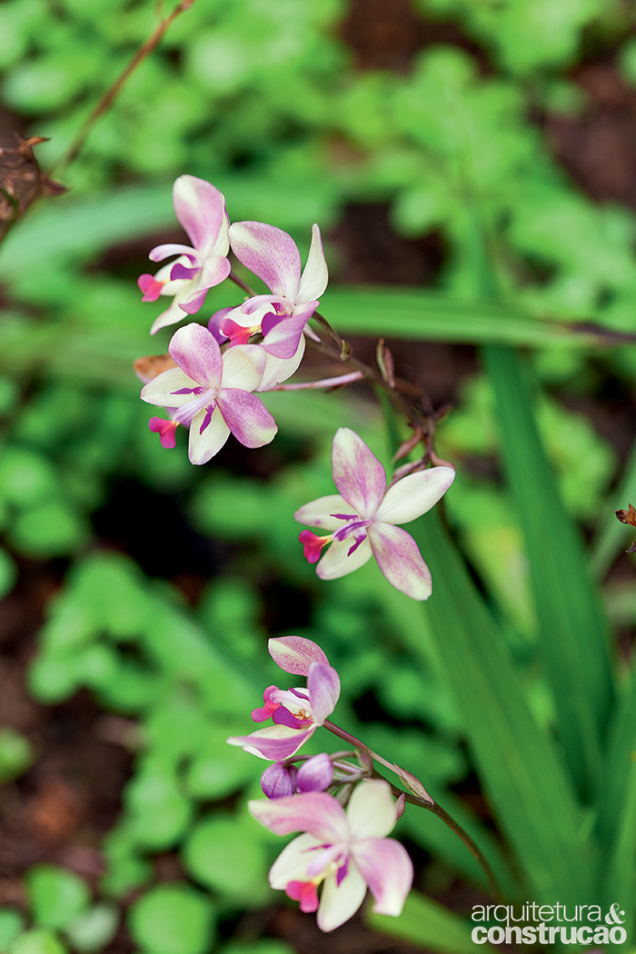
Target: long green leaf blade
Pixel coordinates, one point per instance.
(427, 923)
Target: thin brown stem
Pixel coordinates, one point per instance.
(111, 94)
(430, 805)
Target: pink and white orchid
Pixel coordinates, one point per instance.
(363, 517)
(296, 713)
(200, 208)
(281, 316)
(344, 852)
(210, 393)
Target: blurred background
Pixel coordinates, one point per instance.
(139, 591)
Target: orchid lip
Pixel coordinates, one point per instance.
(185, 414)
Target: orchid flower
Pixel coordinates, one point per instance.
(210, 393)
(281, 316)
(200, 208)
(344, 852)
(363, 517)
(296, 713)
(314, 775)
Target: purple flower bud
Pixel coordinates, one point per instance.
(279, 780)
(316, 774)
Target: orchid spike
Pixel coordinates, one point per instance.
(200, 208)
(210, 393)
(281, 316)
(343, 852)
(362, 518)
(296, 713)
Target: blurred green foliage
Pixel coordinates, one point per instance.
(262, 97)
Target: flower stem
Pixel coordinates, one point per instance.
(429, 804)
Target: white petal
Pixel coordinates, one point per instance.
(415, 494)
(336, 562)
(357, 472)
(243, 367)
(315, 276)
(338, 904)
(291, 864)
(160, 390)
(203, 446)
(278, 370)
(318, 513)
(371, 810)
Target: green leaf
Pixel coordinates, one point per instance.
(225, 856)
(573, 632)
(38, 942)
(11, 923)
(416, 314)
(428, 924)
(516, 760)
(8, 573)
(172, 919)
(94, 929)
(57, 896)
(16, 754)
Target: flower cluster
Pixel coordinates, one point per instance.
(342, 852)
(211, 386)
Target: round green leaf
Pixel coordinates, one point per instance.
(38, 942)
(160, 811)
(57, 896)
(223, 856)
(11, 923)
(26, 477)
(16, 754)
(52, 529)
(93, 929)
(172, 919)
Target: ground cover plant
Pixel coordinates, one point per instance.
(393, 284)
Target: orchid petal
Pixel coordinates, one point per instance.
(315, 276)
(400, 560)
(336, 562)
(371, 810)
(270, 253)
(317, 813)
(159, 252)
(172, 314)
(292, 863)
(357, 473)
(276, 742)
(243, 367)
(319, 513)
(214, 324)
(214, 271)
(386, 867)
(338, 904)
(323, 684)
(198, 354)
(296, 654)
(316, 774)
(200, 208)
(415, 494)
(204, 444)
(279, 369)
(283, 335)
(164, 389)
(193, 302)
(247, 417)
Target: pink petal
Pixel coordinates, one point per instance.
(357, 473)
(150, 287)
(200, 208)
(312, 545)
(166, 431)
(214, 324)
(316, 774)
(415, 494)
(282, 335)
(400, 560)
(315, 276)
(276, 742)
(270, 253)
(306, 892)
(323, 684)
(197, 354)
(386, 867)
(316, 813)
(247, 417)
(296, 654)
(279, 780)
(160, 252)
